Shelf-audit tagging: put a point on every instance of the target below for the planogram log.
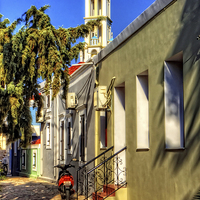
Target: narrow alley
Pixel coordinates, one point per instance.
(28, 188)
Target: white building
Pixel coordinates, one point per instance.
(101, 36)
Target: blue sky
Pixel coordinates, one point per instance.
(70, 13)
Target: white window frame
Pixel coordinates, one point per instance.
(48, 144)
(24, 155)
(34, 167)
(82, 111)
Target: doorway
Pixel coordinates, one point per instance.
(120, 125)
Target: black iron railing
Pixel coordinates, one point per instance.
(111, 171)
(82, 179)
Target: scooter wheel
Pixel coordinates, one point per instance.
(67, 195)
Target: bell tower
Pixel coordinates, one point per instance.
(101, 36)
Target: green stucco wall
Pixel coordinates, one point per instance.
(29, 171)
(160, 174)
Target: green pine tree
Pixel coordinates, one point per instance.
(37, 50)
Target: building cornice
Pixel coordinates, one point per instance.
(94, 46)
(96, 17)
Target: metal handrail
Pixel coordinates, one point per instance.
(107, 160)
(105, 176)
(95, 158)
(92, 160)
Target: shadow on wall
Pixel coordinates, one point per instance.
(188, 43)
(85, 98)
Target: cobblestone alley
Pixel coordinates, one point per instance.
(27, 188)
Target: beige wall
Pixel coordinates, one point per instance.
(158, 173)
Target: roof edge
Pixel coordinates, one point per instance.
(134, 26)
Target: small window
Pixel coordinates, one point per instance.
(100, 34)
(82, 139)
(93, 53)
(103, 129)
(62, 147)
(2, 84)
(34, 160)
(108, 33)
(108, 8)
(92, 8)
(92, 34)
(48, 101)
(69, 136)
(23, 159)
(99, 6)
(142, 87)
(174, 102)
(48, 135)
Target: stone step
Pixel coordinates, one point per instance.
(107, 189)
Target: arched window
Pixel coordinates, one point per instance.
(93, 52)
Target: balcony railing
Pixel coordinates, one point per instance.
(94, 41)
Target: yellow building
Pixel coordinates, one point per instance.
(2, 141)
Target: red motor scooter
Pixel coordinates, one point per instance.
(65, 181)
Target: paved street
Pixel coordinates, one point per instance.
(27, 188)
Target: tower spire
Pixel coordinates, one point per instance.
(101, 36)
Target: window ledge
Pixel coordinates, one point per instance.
(175, 149)
(103, 148)
(142, 149)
